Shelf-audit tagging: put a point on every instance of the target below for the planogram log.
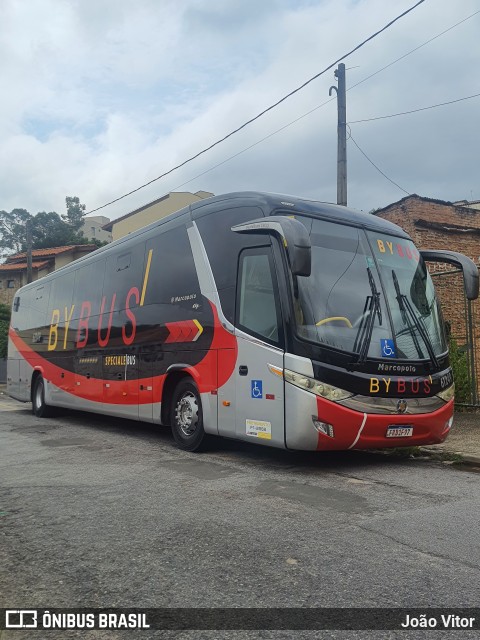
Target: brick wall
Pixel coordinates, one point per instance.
(433, 224)
(7, 294)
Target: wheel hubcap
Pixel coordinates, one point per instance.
(186, 414)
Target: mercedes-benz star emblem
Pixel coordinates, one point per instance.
(402, 406)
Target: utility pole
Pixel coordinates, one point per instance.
(341, 134)
(28, 226)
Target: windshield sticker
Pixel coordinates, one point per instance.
(387, 348)
(388, 247)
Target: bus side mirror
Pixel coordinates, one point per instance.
(468, 267)
(294, 236)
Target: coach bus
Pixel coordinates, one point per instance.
(271, 319)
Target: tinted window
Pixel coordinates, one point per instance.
(172, 275)
(39, 304)
(62, 292)
(22, 319)
(124, 271)
(223, 247)
(88, 286)
(257, 298)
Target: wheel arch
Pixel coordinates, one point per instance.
(175, 374)
(37, 373)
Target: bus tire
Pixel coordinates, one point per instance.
(186, 416)
(39, 406)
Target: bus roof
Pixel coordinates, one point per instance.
(315, 208)
(270, 203)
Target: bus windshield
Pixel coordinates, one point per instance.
(369, 294)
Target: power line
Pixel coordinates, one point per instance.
(377, 168)
(245, 124)
(304, 115)
(415, 49)
(404, 113)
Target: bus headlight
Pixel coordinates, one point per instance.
(321, 389)
(447, 394)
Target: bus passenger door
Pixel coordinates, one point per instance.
(260, 413)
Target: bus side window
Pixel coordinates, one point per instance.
(123, 274)
(258, 310)
(173, 281)
(39, 300)
(88, 288)
(223, 247)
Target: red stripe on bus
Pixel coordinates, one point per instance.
(210, 373)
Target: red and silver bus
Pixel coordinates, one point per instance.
(270, 319)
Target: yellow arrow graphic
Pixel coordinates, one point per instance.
(200, 330)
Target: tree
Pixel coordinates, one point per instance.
(48, 229)
(13, 230)
(75, 213)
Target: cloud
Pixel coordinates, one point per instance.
(99, 98)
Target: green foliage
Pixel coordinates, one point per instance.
(13, 230)
(459, 364)
(75, 213)
(48, 229)
(98, 243)
(4, 325)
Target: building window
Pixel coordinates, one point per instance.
(10, 284)
(93, 231)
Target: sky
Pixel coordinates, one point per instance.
(101, 96)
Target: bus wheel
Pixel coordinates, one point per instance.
(187, 416)
(39, 407)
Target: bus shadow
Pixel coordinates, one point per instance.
(241, 452)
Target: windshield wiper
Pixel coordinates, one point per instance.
(371, 309)
(413, 322)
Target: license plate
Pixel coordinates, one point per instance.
(399, 432)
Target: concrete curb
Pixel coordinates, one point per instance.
(467, 458)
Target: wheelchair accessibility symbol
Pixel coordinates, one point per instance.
(257, 389)
(387, 348)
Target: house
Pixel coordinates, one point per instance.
(92, 228)
(13, 273)
(437, 224)
(153, 211)
(471, 204)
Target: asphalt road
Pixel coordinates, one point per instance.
(100, 512)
